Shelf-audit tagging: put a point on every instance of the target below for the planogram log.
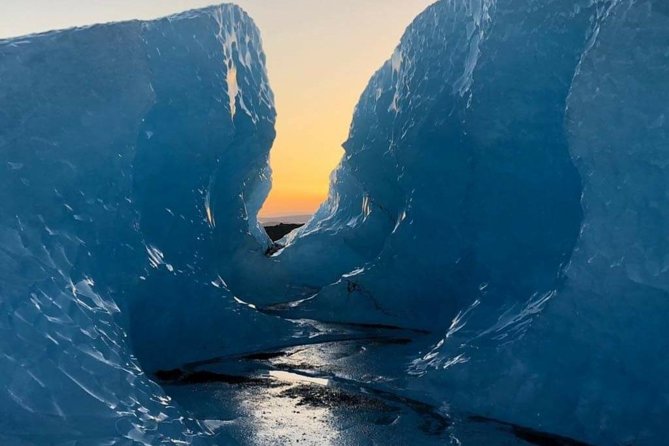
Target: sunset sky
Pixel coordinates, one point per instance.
(320, 53)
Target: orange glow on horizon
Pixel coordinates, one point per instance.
(320, 56)
(292, 204)
(320, 59)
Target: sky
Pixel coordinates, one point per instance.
(320, 56)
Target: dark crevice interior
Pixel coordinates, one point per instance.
(277, 232)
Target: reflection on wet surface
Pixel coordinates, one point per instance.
(337, 390)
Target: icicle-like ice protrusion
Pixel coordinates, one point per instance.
(227, 35)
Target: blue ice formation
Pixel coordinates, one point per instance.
(504, 185)
(133, 156)
(504, 189)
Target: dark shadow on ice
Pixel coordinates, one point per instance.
(181, 377)
(529, 435)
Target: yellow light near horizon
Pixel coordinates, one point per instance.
(320, 55)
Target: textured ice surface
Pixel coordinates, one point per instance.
(505, 185)
(133, 161)
(491, 264)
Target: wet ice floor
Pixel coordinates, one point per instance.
(331, 392)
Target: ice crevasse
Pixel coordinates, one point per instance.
(504, 189)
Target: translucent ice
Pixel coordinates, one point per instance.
(501, 211)
(505, 184)
(133, 158)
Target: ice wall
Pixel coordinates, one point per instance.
(503, 190)
(457, 183)
(604, 336)
(133, 160)
(504, 184)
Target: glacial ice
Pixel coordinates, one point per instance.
(494, 248)
(130, 157)
(504, 184)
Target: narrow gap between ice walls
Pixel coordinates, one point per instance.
(429, 211)
(454, 264)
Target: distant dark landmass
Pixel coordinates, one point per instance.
(277, 232)
(285, 219)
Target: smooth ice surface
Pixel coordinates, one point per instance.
(491, 266)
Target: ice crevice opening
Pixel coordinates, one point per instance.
(495, 236)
